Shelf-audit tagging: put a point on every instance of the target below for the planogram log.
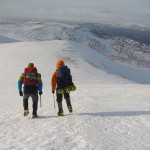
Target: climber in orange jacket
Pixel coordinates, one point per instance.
(59, 85)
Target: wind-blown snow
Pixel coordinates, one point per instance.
(111, 109)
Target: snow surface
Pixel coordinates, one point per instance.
(110, 112)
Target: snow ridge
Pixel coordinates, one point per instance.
(110, 112)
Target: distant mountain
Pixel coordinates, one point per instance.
(129, 46)
(4, 39)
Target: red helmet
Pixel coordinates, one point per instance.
(60, 63)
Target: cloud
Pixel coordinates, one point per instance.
(85, 10)
(86, 15)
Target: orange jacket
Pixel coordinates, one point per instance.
(55, 74)
(54, 80)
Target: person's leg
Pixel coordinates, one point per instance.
(35, 104)
(67, 98)
(59, 101)
(25, 104)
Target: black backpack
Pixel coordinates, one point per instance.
(64, 77)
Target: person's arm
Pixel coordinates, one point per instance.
(40, 84)
(40, 87)
(20, 81)
(54, 81)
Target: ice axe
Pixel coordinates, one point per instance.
(54, 100)
(40, 101)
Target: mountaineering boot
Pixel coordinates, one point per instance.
(26, 112)
(70, 108)
(60, 113)
(34, 116)
(69, 104)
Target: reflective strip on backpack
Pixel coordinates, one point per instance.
(67, 89)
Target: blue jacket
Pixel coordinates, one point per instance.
(29, 89)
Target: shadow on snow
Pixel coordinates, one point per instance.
(116, 113)
(104, 114)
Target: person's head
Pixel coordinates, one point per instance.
(59, 63)
(30, 65)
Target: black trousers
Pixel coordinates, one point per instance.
(66, 96)
(34, 100)
(60, 98)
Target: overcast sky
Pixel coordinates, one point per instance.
(85, 10)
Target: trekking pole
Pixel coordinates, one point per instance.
(40, 101)
(54, 101)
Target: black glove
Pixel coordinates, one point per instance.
(20, 93)
(40, 93)
(53, 92)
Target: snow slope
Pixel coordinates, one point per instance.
(110, 112)
(119, 49)
(111, 108)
